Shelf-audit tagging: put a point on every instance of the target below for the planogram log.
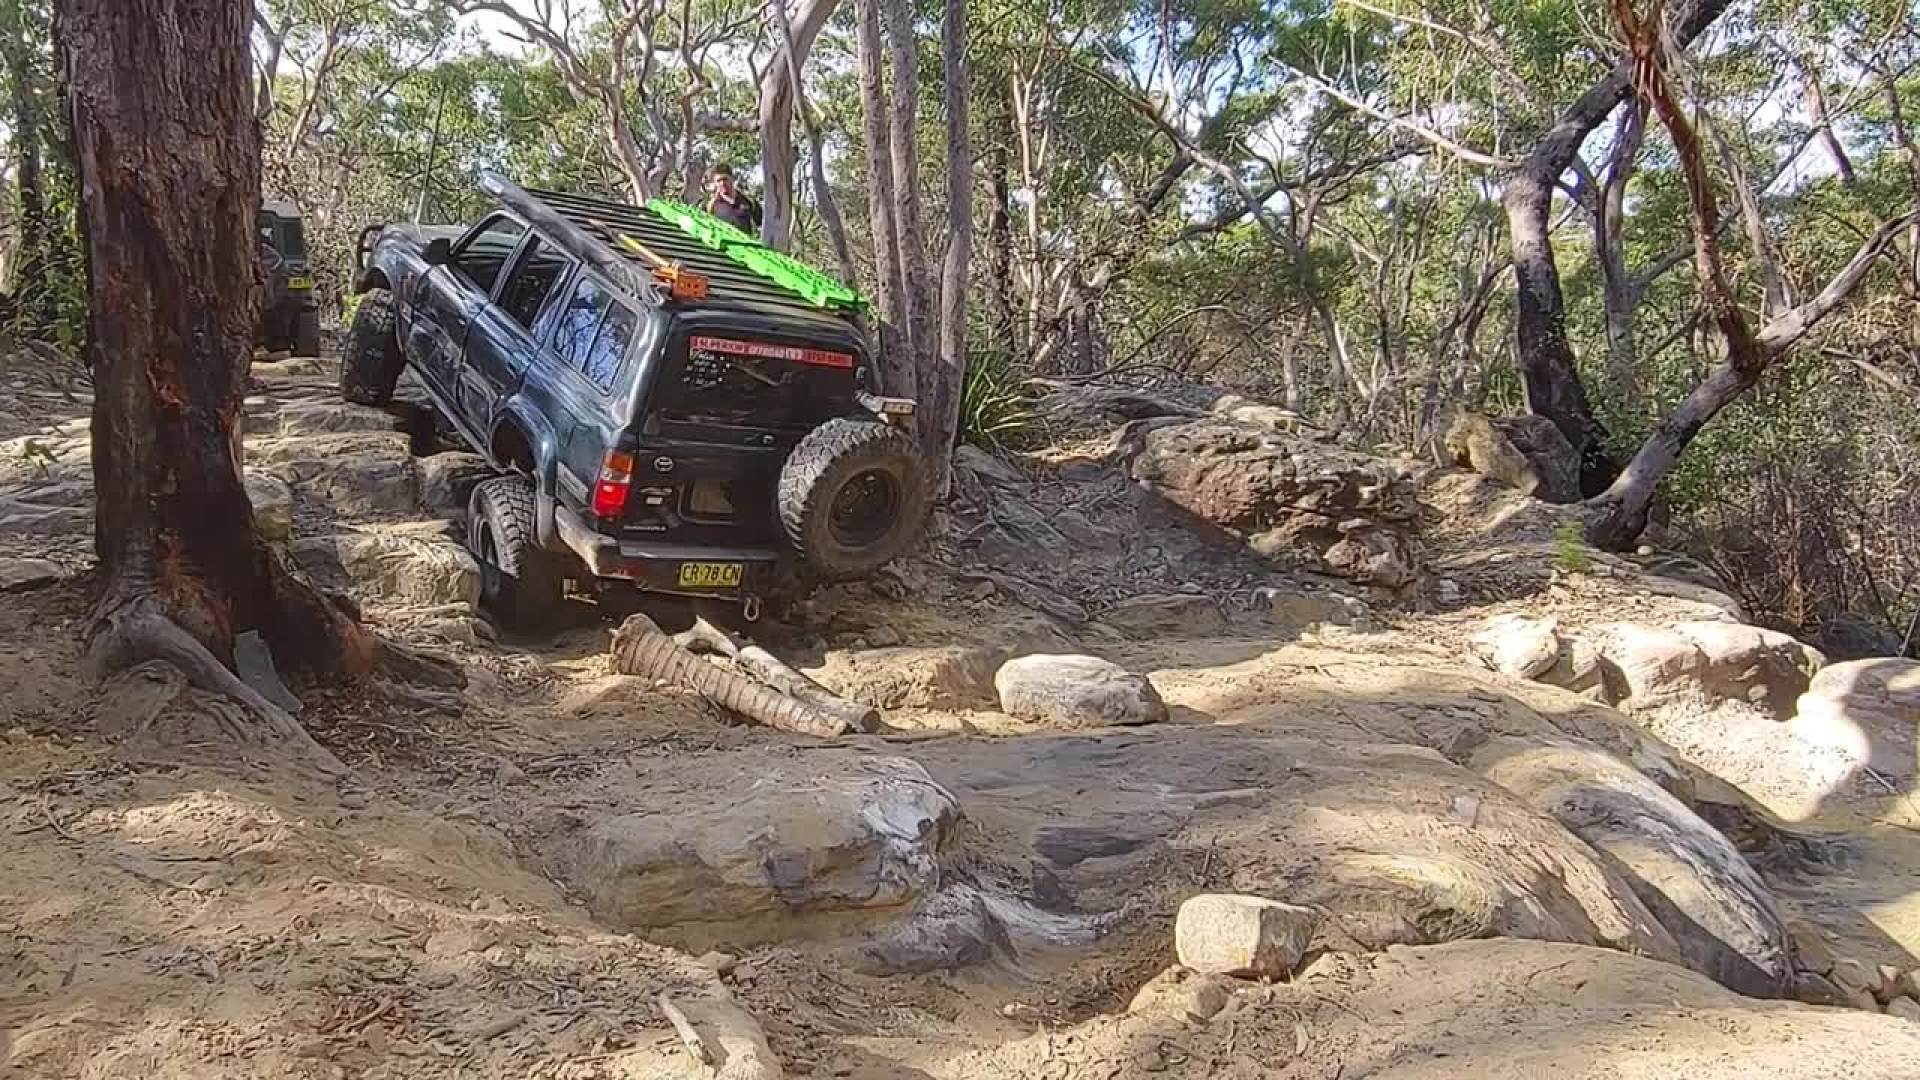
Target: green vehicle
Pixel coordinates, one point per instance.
(289, 313)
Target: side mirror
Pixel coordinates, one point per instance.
(439, 251)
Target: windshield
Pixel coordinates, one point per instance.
(284, 235)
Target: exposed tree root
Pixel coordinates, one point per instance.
(137, 631)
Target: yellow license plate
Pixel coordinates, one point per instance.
(300, 283)
(710, 575)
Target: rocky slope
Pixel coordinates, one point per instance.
(1513, 835)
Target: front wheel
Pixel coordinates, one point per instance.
(853, 497)
(521, 584)
(373, 359)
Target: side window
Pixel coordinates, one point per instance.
(486, 251)
(593, 332)
(539, 270)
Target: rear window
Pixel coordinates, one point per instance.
(594, 331)
(742, 383)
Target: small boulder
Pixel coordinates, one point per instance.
(1248, 936)
(780, 840)
(1709, 659)
(416, 570)
(1300, 610)
(1527, 453)
(1905, 1008)
(1515, 645)
(447, 480)
(1076, 692)
(1578, 669)
(272, 503)
(913, 677)
(1288, 498)
(328, 418)
(21, 574)
(1173, 614)
(357, 473)
(1857, 983)
(1878, 695)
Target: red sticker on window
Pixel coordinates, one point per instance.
(795, 353)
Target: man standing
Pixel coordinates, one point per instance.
(729, 203)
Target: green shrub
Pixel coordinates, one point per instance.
(995, 406)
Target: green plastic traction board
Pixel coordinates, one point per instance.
(782, 269)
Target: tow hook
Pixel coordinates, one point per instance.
(750, 609)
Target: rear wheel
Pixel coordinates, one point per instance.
(521, 584)
(306, 333)
(372, 362)
(853, 497)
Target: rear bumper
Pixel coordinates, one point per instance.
(656, 567)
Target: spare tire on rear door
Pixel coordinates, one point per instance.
(853, 497)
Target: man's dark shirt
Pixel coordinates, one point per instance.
(742, 213)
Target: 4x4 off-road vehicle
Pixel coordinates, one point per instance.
(289, 314)
(670, 403)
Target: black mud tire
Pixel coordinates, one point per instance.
(521, 584)
(306, 333)
(853, 497)
(372, 362)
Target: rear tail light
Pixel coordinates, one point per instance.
(610, 491)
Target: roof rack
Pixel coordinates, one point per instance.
(668, 250)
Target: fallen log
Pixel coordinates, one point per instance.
(703, 636)
(641, 648)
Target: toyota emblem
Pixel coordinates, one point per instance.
(663, 464)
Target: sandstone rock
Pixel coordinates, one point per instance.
(1905, 1008)
(447, 480)
(1819, 990)
(20, 574)
(1714, 660)
(1515, 645)
(1172, 614)
(914, 677)
(1692, 879)
(1300, 610)
(785, 839)
(987, 467)
(1183, 995)
(360, 473)
(1229, 934)
(1878, 695)
(272, 505)
(325, 417)
(1527, 453)
(1076, 692)
(1254, 414)
(1856, 982)
(395, 566)
(1343, 513)
(1764, 667)
(1578, 668)
(1810, 949)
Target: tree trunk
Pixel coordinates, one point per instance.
(909, 225)
(1000, 244)
(898, 371)
(780, 94)
(950, 371)
(168, 153)
(1547, 368)
(29, 286)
